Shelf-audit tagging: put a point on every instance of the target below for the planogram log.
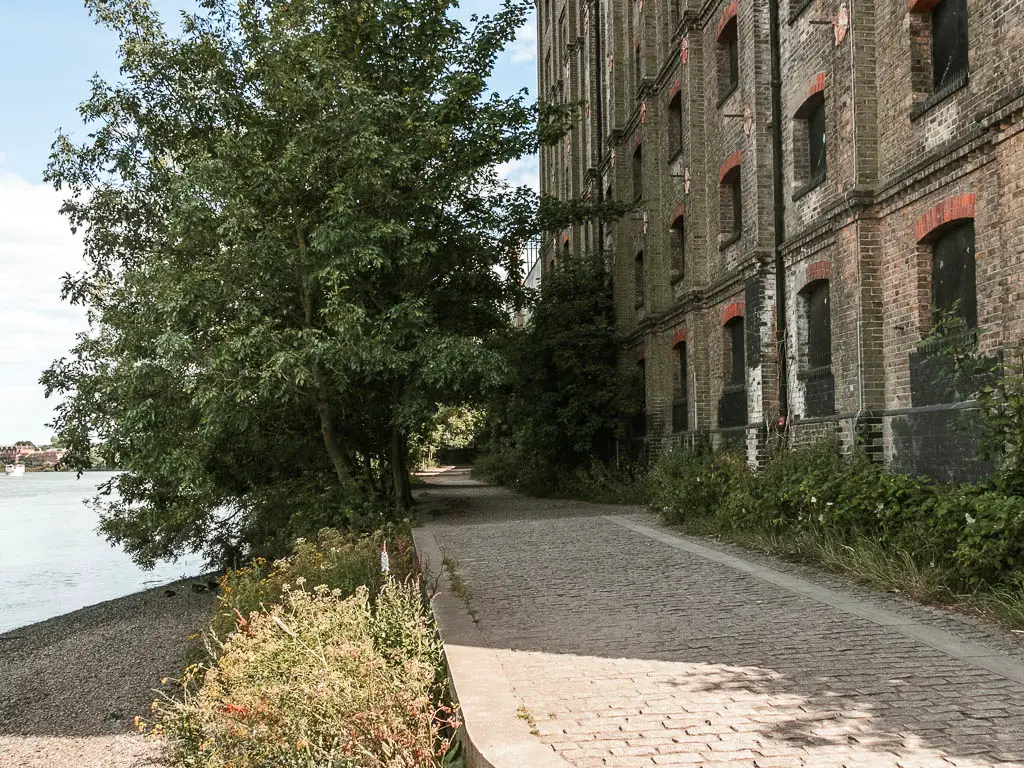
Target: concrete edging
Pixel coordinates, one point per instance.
(494, 735)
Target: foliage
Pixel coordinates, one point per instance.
(996, 384)
(452, 427)
(340, 561)
(283, 279)
(317, 681)
(693, 483)
(967, 536)
(565, 398)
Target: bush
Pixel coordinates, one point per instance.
(695, 483)
(339, 561)
(317, 681)
(974, 535)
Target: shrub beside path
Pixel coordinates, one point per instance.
(625, 645)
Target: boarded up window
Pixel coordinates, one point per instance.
(954, 288)
(819, 325)
(949, 42)
(675, 126)
(677, 244)
(735, 374)
(638, 174)
(638, 278)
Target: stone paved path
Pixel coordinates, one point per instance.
(628, 649)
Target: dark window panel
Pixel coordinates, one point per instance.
(819, 326)
(737, 343)
(816, 140)
(949, 42)
(953, 274)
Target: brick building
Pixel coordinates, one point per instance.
(788, 277)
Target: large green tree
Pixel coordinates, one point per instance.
(292, 222)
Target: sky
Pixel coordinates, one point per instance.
(48, 51)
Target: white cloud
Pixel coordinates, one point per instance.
(523, 49)
(524, 172)
(36, 248)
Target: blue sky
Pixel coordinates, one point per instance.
(48, 51)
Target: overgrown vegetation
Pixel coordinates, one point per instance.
(319, 660)
(897, 531)
(559, 414)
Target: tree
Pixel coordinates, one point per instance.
(292, 221)
(565, 399)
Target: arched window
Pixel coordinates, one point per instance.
(809, 156)
(731, 205)
(677, 247)
(675, 126)
(681, 406)
(735, 359)
(638, 279)
(728, 59)
(949, 43)
(954, 287)
(818, 315)
(638, 174)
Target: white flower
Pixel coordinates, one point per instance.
(828, 503)
(813, 500)
(970, 520)
(301, 580)
(821, 518)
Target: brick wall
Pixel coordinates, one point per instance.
(900, 160)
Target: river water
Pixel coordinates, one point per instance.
(53, 561)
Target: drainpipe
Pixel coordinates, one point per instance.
(779, 205)
(599, 113)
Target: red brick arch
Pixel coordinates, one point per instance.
(679, 337)
(922, 6)
(953, 209)
(819, 270)
(815, 93)
(734, 309)
(674, 90)
(728, 15)
(678, 213)
(732, 161)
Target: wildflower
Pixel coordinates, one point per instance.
(814, 500)
(300, 581)
(970, 520)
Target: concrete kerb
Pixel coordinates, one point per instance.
(494, 735)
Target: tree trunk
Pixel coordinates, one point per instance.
(334, 452)
(323, 401)
(399, 470)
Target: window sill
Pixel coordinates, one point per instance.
(807, 186)
(724, 98)
(820, 372)
(725, 240)
(940, 95)
(796, 8)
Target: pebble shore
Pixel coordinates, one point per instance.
(70, 685)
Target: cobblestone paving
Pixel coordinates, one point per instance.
(628, 652)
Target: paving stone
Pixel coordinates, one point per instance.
(630, 652)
